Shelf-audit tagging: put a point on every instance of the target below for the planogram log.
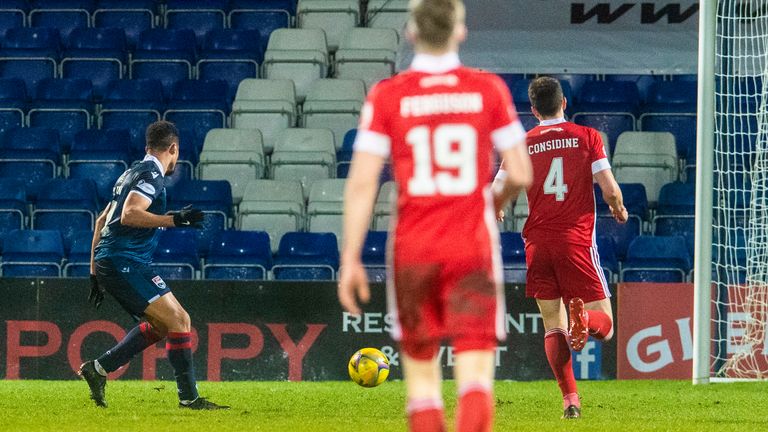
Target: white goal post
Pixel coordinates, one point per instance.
(731, 243)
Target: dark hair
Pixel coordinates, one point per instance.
(546, 95)
(161, 134)
(435, 20)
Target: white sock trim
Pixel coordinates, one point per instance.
(99, 368)
(424, 404)
(476, 386)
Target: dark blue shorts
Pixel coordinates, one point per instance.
(134, 285)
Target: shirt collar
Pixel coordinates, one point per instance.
(552, 122)
(156, 161)
(435, 64)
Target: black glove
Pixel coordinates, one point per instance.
(188, 217)
(96, 295)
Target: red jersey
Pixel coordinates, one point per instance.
(561, 199)
(439, 122)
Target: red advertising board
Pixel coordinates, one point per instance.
(655, 331)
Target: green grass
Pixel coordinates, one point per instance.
(342, 406)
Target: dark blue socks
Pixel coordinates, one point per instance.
(179, 346)
(138, 339)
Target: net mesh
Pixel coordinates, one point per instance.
(740, 200)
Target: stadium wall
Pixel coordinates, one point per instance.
(582, 37)
(297, 331)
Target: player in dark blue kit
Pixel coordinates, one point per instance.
(123, 243)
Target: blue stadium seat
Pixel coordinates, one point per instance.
(621, 234)
(32, 253)
(97, 54)
(189, 156)
(198, 106)
(612, 124)
(656, 259)
(202, 16)
(238, 255)
(176, 254)
(62, 104)
(574, 82)
(66, 205)
(375, 256)
(13, 13)
(101, 155)
(344, 154)
(635, 200)
(13, 206)
(676, 225)
(13, 102)
(609, 96)
(510, 79)
(64, 15)
(528, 120)
(265, 16)
(642, 81)
(79, 256)
(681, 125)
(606, 249)
(609, 107)
(672, 97)
(513, 257)
(677, 199)
(231, 55)
(132, 16)
(306, 256)
(31, 155)
(167, 55)
(132, 105)
(214, 197)
(30, 54)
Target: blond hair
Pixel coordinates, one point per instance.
(434, 21)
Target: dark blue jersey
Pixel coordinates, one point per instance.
(117, 240)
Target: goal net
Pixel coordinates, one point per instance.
(740, 193)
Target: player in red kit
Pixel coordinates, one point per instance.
(439, 123)
(560, 251)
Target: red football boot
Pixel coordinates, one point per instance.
(579, 320)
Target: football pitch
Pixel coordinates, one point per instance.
(343, 406)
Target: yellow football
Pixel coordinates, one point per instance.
(369, 367)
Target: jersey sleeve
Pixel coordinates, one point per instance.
(372, 132)
(597, 152)
(149, 185)
(506, 129)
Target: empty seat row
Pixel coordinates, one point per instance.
(138, 15)
(297, 54)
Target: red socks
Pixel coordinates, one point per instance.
(425, 415)
(475, 410)
(599, 324)
(559, 357)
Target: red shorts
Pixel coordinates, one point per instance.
(564, 270)
(457, 300)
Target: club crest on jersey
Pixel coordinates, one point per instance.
(159, 282)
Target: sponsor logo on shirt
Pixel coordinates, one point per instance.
(159, 282)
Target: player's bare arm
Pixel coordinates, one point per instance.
(612, 194)
(359, 197)
(516, 175)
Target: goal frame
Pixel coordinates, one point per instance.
(705, 129)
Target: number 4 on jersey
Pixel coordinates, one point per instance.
(553, 184)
